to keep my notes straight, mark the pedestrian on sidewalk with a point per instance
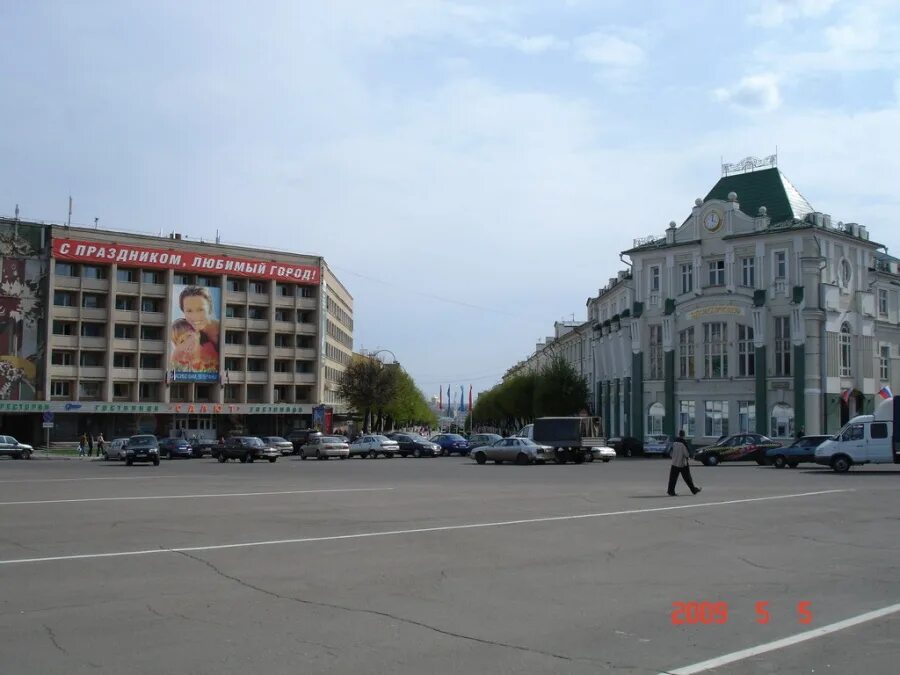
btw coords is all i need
(100, 444)
(680, 465)
(84, 444)
(90, 438)
(81, 447)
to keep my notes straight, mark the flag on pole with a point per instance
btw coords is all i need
(845, 396)
(441, 399)
(885, 392)
(462, 399)
(470, 398)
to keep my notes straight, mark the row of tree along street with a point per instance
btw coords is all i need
(555, 390)
(384, 395)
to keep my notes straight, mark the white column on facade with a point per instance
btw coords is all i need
(669, 290)
(760, 261)
(729, 268)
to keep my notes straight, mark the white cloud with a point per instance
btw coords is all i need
(608, 50)
(533, 44)
(774, 13)
(755, 93)
(897, 91)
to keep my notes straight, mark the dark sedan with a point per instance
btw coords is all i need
(451, 444)
(737, 448)
(415, 445)
(170, 448)
(801, 450)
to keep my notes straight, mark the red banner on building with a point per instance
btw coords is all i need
(128, 255)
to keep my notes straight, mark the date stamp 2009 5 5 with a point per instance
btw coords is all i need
(691, 613)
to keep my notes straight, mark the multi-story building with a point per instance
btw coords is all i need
(756, 314)
(128, 333)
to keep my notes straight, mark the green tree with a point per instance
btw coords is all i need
(559, 390)
(368, 385)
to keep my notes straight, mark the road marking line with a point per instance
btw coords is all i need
(784, 642)
(421, 530)
(227, 494)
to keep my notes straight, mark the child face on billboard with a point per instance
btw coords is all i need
(196, 311)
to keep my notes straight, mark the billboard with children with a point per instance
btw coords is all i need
(194, 331)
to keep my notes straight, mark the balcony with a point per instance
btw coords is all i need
(257, 350)
(283, 378)
(126, 315)
(93, 343)
(258, 324)
(92, 372)
(127, 374)
(151, 375)
(237, 297)
(235, 350)
(62, 312)
(306, 328)
(95, 284)
(127, 287)
(284, 326)
(284, 352)
(235, 322)
(58, 372)
(93, 314)
(153, 318)
(256, 377)
(125, 345)
(305, 354)
(304, 378)
(63, 340)
(67, 283)
(155, 346)
(306, 303)
(158, 290)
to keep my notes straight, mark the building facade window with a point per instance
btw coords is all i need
(93, 272)
(782, 421)
(62, 358)
(93, 301)
(64, 269)
(123, 360)
(125, 331)
(779, 259)
(884, 363)
(846, 340)
(258, 287)
(63, 327)
(845, 273)
(746, 417)
(236, 285)
(151, 361)
(307, 291)
(151, 333)
(716, 418)
(716, 272)
(687, 278)
(748, 272)
(91, 359)
(89, 329)
(686, 353)
(256, 312)
(122, 391)
(715, 350)
(882, 303)
(233, 337)
(746, 351)
(655, 371)
(126, 303)
(64, 298)
(654, 278)
(151, 277)
(149, 391)
(88, 389)
(233, 364)
(655, 416)
(782, 345)
(126, 275)
(687, 417)
(151, 305)
(60, 388)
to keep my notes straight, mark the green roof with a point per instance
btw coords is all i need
(769, 188)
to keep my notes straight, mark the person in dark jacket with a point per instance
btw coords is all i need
(680, 465)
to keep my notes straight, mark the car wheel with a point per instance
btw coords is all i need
(272, 460)
(445, 453)
(761, 462)
(840, 464)
(302, 456)
(627, 452)
(243, 459)
(712, 460)
(793, 465)
(561, 457)
(779, 462)
(156, 462)
(250, 457)
(25, 454)
(605, 460)
(222, 458)
(416, 453)
(480, 457)
(389, 455)
(373, 454)
(522, 459)
(498, 461)
(129, 462)
(589, 456)
(578, 457)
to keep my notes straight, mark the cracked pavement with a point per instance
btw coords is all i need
(572, 596)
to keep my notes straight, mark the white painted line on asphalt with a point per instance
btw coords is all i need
(784, 642)
(226, 494)
(420, 530)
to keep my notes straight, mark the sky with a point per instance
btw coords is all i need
(469, 170)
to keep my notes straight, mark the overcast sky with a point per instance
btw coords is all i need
(470, 171)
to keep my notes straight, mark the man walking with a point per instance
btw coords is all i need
(680, 460)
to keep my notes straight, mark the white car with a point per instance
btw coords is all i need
(602, 453)
(515, 449)
(372, 445)
(323, 447)
(115, 449)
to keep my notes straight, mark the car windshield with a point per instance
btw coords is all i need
(142, 439)
(454, 437)
(276, 439)
(383, 439)
(254, 441)
(332, 439)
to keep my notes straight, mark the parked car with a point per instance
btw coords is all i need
(628, 446)
(283, 445)
(10, 447)
(451, 444)
(514, 449)
(299, 437)
(737, 448)
(246, 449)
(658, 444)
(175, 447)
(142, 448)
(115, 449)
(801, 450)
(372, 445)
(323, 447)
(415, 445)
(601, 453)
(477, 440)
(204, 446)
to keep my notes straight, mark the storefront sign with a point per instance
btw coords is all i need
(187, 408)
(158, 258)
(713, 310)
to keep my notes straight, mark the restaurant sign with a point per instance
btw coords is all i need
(184, 261)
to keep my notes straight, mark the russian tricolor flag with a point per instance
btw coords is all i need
(886, 393)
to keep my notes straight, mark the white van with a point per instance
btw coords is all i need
(866, 439)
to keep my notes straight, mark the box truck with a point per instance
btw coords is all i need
(570, 437)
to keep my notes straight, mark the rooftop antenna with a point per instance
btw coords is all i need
(218, 240)
(17, 211)
(96, 223)
(69, 221)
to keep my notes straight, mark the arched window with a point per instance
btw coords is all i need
(655, 418)
(782, 421)
(846, 354)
